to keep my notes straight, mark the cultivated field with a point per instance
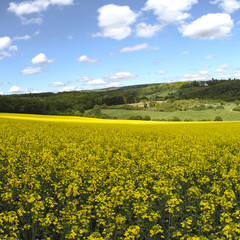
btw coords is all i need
(80, 178)
(226, 114)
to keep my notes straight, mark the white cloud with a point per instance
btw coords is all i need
(207, 66)
(41, 59)
(114, 84)
(219, 70)
(96, 82)
(36, 33)
(202, 75)
(3, 83)
(61, 2)
(161, 72)
(5, 46)
(208, 57)
(229, 6)
(120, 76)
(236, 75)
(5, 42)
(56, 84)
(170, 11)
(85, 59)
(226, 76)
(83, 79)
(203, 72)
(69, 89)
(5, 54)
(28, 7)
(185, 52)
(147, 30)
(25, 21)
(37, 91)
(1, 93)
(165, 59)
(225, 66)
(115, 21)
(34, 6)
(210, 26)
(31, 70)
(13, 48)
(26, 37)
(137, 48)
(16, 90)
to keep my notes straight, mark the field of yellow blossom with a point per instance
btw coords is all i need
(79, 178)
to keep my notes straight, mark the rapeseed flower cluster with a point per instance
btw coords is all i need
(97, 181)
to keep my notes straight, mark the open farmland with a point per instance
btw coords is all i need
(227, 114)
(80, 178)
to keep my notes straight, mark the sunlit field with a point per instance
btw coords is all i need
(81, 178)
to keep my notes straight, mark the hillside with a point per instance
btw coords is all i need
(78, 102)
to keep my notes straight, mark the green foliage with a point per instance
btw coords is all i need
(220, 107)
(76, 103)
(218, 118)
(147, 118)
(188, 120)
(156, 119)
(236, 108)
(175, 119)
(136, 117)
(201, 107)
(124, 106)
(152, 104)
(237, 102)
(95, 113)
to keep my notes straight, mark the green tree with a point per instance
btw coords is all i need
(237, 102)
(147, 118)
(218, 118)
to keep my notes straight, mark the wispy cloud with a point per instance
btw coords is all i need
(56, 84)
(185, 52)
(142, 46)
(120, 76)
(96, 82)
(86, 59)
(31, 70)
(69, 89)
(229, 6)
(3, 83)
(208, 57)
(147, 30)
(25, 37)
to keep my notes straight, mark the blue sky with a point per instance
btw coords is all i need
(66, 45)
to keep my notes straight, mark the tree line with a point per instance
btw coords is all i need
(78, 102)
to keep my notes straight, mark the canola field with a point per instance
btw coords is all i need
(79, 178)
